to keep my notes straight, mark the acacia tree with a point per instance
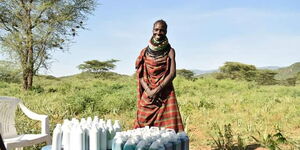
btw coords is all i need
(188, 74)
(31, 29)
(96, 66)
(236, 70)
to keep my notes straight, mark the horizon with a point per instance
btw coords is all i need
(204, 34)
(193, 70)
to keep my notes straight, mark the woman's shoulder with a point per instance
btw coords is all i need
(142, 52)
(172, 52)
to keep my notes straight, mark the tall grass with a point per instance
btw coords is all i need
(204, 103)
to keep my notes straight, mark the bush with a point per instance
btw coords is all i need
(236, 70)
(298, 79)
(293, 81)
(265, 77)
(239, 71)
(9, 72)
(225, 140)
(187, 74)
(275, 141)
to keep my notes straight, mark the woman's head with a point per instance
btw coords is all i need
(159, 30)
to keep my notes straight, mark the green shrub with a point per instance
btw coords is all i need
(225, 140)
(239, 71)
(187, 74)
(266, 77)
(9, 72)
(275, 141)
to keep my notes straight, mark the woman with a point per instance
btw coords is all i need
(156, 69)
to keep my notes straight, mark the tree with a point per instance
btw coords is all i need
(188, 74)
(240, 71)
(95, 66)
(236, 70)
(31, 29)
(266, 77)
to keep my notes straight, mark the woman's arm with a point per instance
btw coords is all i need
(172, 73)
(144, 85)
(169, 77)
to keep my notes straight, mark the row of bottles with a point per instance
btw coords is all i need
(86, 134)
(152, 138)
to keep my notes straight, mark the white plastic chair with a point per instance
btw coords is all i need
(8, 131)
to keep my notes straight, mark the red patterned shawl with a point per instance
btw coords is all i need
(163, 111)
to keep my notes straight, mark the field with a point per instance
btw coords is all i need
(206, 105)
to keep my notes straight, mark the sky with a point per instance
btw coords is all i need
(204, 33)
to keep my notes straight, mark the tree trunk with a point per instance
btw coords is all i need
(30, 68)
(28, 63)
(25, 81)
(27, 77)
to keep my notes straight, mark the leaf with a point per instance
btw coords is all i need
(281, 140)
(278, 135)
(256, 139)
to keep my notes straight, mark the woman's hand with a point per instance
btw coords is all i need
(151, 93)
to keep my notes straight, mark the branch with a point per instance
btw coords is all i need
(14, 28)
(4, 24)
(41, 51)
(39, 17)
(41, 60)
(23, 4)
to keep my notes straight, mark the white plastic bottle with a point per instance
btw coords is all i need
(94, 138)
(74, 121)
(103, 137)
(86, 136)
(66, 137)
(118, 141)
(110, 134)
(131, 143)
(174, 139)
(184, 140)
(77, 138)
(72, 136)
(82, 121)
(165, 139)
(143, 145)
(67, 122)
(89, 120)
(117, 126)
(57, 137)
(96, 119)
(157, 145)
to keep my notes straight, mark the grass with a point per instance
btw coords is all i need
(204, 103)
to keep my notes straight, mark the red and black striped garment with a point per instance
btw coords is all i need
(162, 111)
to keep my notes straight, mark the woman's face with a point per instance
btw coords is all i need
(159, 32)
